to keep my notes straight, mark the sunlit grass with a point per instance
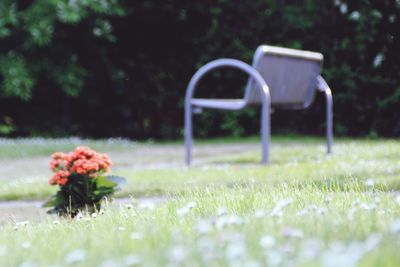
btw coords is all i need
(159, 168)
(254, 225)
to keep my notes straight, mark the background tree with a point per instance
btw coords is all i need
(120, 68)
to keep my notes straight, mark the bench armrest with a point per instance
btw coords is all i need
(232, 63)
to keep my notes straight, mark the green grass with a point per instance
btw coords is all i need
(218, 226)
(305, 209)
(32, 147)
(293, 160)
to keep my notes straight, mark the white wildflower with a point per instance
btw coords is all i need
(365, 206)
(369, 182)
(251, 263)
(310, 249)
(129, 206)
(350, 213)
(186, 209)
(28, 264)
(132, 260)
(267, 241)
(228, 220)
(356, 202)
(312, 207)
(328, 199)
(26, 245)
(136, 236)
(235, 251)
(204, 226)
(372, 241)
(222, 211)
(275, 258)
(110, 263)
(292, 232)
(3, 251)
(343, 255)
(278, 209)
(23, 223)
(146, 205)
(259, 214)
(395, 227)
(287, 248)
(191, 205)
(182, 211)
(76, 256)
(177, 254)
(321, 211)
(207, 248)
(398, 199)
(302, 212)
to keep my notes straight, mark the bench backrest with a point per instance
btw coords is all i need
(290, 74)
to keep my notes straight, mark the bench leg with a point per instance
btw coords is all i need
(329, 120)
(188, 134)
(265, 132)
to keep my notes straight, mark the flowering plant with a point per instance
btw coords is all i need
(82, 182)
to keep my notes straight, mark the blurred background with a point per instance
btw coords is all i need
(119, 68)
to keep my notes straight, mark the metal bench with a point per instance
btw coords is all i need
(279, 77)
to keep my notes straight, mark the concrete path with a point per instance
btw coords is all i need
(141, 157)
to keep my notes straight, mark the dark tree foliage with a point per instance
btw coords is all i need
(120, 68)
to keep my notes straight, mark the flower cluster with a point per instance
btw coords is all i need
(82, 161)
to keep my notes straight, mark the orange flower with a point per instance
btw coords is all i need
(82, 160)
(59, 161)
(60, 178)
(52, 181)
(62, 181)
(58, 155)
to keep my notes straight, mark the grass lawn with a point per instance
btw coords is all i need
(305, 209)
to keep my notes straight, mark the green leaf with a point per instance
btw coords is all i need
(120, 181)
(101, 193)
(55, 200)
(103, 181)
